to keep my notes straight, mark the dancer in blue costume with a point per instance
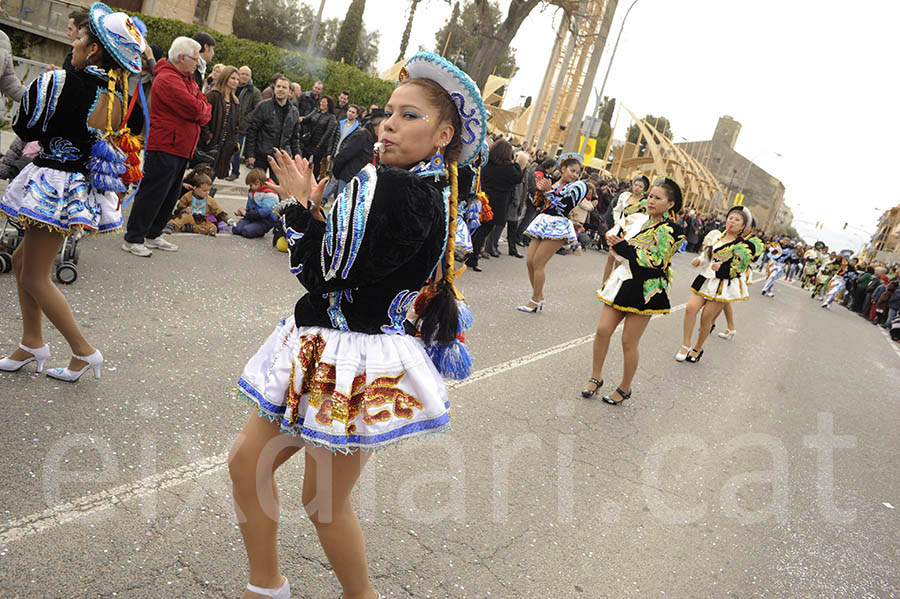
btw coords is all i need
(359, 363)
(73, 185)
(551, 228)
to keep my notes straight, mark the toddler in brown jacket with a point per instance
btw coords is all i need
(194, 208)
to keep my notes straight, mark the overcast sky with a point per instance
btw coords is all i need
(811, 80)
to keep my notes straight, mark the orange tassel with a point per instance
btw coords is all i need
(486, 213)
(131, 145)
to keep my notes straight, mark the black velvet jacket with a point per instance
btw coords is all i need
(55, 112)
(380, 244)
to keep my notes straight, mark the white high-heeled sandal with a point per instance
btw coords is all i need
(94, 361)
(282, 592)
(727, 334)
(538, 306)
(682, 354)
(37, 355)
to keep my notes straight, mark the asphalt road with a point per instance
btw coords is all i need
(714, 480)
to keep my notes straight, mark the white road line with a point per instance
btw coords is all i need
(98, 502)
(53, 517)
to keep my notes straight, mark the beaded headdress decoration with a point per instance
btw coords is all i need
(450, 357)
(115, 160)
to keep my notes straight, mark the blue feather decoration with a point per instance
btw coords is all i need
(107, 162)
(466, 320)
(453, 361)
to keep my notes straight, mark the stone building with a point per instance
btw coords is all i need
(785, 216)
(763, 193)
(885, 243)
(44, 21)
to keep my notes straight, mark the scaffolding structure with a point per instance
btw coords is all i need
(554, 119)
(662, 158)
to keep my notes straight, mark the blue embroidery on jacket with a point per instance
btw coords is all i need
(397, 312)
(61, 150)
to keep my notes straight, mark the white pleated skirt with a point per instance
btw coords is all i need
(62, 201)
(345, 390)
(545, 226)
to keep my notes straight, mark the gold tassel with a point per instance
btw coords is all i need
(450, 272)
(110, 100)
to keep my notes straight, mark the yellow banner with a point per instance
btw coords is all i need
(590, 150)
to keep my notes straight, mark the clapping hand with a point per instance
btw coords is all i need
(716, 266)
(543, 184)
(296, 179)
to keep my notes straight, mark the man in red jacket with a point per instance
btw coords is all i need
(178, 109)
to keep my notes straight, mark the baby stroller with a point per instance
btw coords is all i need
(10, 237)
(66, 262)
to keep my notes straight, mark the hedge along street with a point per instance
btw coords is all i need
(266, 60)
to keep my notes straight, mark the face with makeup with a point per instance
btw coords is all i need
(638, 187)
(658, 202)
(83, 50)
(570, 172)
(412, 132)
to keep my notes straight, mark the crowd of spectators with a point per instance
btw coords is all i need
(212, 118)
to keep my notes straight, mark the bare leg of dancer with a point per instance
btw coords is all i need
(37, 294)
(609, 320)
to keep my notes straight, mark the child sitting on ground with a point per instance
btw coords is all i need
(258, 215)
(194, 208)
(188, 183)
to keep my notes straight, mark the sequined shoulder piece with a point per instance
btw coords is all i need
(574, 191)
(49, 86)
(345, 226)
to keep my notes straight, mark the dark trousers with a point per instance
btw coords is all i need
(252, 228)
(511, 237)
(493, 242)
(478, 238)
(156, 197)
(530, 213)
(236, 157)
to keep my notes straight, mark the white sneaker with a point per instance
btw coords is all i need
(160, 244)
(138, 249)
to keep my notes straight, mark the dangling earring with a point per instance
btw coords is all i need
(437, 161)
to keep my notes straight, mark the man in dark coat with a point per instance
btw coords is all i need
(355, 151)
(274, 124)
(249, 97)
(309, 101)
(207, 51)
(177, 111)
(340, 109)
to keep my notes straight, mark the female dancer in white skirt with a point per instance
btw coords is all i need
(629, 215)
(723, 259)
(72, 185)
(757, 247)
(551, 228)
(348, 370)
(638, 287)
